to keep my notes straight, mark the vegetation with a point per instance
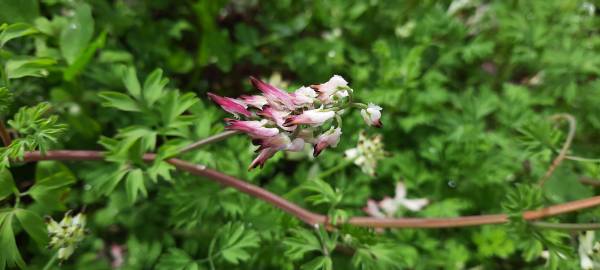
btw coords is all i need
(480, 153)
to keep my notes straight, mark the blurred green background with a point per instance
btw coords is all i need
(466, 87)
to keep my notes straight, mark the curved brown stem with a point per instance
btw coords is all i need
(563, 151)
(312, 218)
(6, 140)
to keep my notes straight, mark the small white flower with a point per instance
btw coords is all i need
(589, 251)
(332, 88)
(372, 115)
(66, 235)
(304, 95)
(389, 206)
(367, 152)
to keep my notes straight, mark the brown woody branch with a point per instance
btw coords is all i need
(312, 218)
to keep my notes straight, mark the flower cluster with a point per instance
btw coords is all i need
(367, 152)
(66, 234)
(389, 206)
(282, 121)
(589, 251)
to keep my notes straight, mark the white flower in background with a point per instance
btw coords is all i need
(589, 251)
(458, 5)
(66, 234)
(367, 152)
(589, 8)
(389, 206)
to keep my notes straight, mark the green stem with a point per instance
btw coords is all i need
(321, 240)
(566, 226)
(212, 139)
(582, 159)
(336, 168)
(50, 263)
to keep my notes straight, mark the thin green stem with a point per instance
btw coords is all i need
(336, 168)
(582, 159)
(51, 262)
(566, 226)
(212, 139)
(322, 240)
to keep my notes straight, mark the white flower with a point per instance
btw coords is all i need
(367, 152)
(67, 234)
(329, 138)
(331, 87)
(314, 117)
(372, 115)
(589, 251)
(304, 95)
(389, 206)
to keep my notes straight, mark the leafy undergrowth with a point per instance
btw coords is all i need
(468, 90)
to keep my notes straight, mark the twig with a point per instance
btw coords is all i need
(567, 226)
(6, 140)
(314, 218)
(582, 159)
(565, 148)
(589, 181)
(215, 138)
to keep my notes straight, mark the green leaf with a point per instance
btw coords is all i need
(53, 182)
(9, 253)
(15, 31)
(384, 256)
(153, 86)
(301, 242)
(321, 262)
(84, 58)
(324, 193)
(131, 82)
(120, 101)
(13, 11)
(7, 184)
(31, 66)
(234, 242)
(135, 184)
(76, 34)
(176, 259)
(34, 225)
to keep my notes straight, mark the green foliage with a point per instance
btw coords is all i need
(467, 88)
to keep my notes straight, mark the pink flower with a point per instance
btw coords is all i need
(372, 115)
(309, 117)
(117, 254)
(273, 94)
(255, 129)
(372, 209)
(328, 89)
(262, 157)
(279, 142)
(327, 139)
(277, 116)
(304, 96)
(231, 105)
(270, 146)
(255, 101)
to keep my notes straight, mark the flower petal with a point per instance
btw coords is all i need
(230, 105)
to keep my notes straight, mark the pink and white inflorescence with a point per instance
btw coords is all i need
(278, 120)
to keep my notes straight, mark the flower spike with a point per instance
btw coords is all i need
(278, 120)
